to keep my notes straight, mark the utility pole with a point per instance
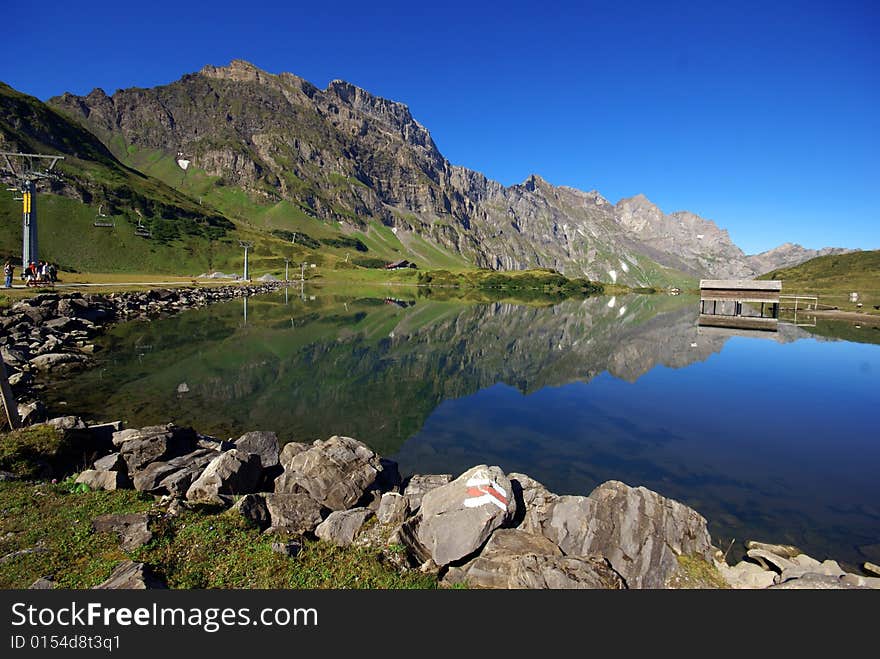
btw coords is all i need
(286, 269)
(302, 271)
(23, 167)
(8, 399)
(246, 246)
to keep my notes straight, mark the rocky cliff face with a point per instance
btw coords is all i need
(344, 154)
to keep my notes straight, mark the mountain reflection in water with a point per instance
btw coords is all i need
(767, 437)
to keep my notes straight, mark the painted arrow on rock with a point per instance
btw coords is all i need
(482, 490)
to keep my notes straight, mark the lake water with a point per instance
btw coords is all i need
(771, 436)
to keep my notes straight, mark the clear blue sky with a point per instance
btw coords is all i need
(763, 116)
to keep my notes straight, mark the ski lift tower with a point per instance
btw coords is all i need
(25, 170)
(246, 246)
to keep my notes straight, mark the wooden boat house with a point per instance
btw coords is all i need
(740, 304)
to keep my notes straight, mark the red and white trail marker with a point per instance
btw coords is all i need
(482, 490)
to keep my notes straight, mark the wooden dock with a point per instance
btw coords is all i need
(740, 304)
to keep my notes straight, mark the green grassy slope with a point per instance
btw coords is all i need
(834, 277)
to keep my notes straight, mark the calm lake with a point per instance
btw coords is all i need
(771, 436)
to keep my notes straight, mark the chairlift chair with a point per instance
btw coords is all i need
(142, 231)
(102, 220)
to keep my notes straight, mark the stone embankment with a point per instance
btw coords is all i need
(484, 528)
(55, 332)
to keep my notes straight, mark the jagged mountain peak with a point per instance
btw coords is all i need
(237, 69)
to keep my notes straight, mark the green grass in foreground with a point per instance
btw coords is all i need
(200, 548)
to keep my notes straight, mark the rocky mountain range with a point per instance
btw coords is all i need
(346, 156)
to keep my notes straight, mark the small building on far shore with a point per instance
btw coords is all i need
(740, 303)
(402, 263)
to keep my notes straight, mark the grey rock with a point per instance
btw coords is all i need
(133, 529)
(173, 476)
(262, 443)
(129, 575)
(7, 476)
(336, 472)
(393, 509)
(457, 518)
(178, 482)
(746, 575)
(291, 549)
(231, 472)
(290, 451)
(638, 531)
(65, 423)
(148, 478)
(42, 584)
(14, 356)
(111, 462)
(54, 360)
(770, 561)
(122, 436)
(22, 379)
(253, 508)
(342, 526)
(407, 536)
(816, 582)
(533, 502)
(860, 581)
(828, 568)
(31, 412)
(139, 447)
(293, 513)
(104, 480)
(419, 485)
(871, 568)
(517, 559)
(493, 567)
(288, 483)
(60, 324)
(784, 551)
(567, 572)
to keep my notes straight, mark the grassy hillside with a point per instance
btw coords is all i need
(833, 278)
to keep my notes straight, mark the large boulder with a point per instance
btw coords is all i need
(261, 442)
(342, 526)
(231, 472)
(457, 518)
(293, 513)
(640, 532)
(517, 559)
(336, 473)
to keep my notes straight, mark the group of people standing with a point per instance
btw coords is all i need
(35, 274)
